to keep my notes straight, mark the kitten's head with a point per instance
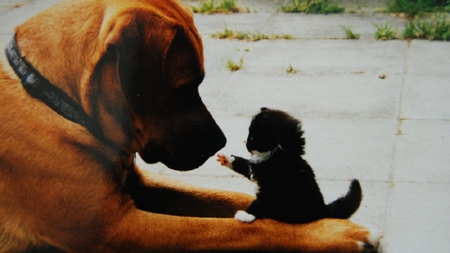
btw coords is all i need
(272, 129)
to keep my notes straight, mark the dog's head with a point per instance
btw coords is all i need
(275, 129)
(135, 67)
(158, 56)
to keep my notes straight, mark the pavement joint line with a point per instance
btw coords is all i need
(396, 137)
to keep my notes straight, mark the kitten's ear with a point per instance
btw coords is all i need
(263, 109)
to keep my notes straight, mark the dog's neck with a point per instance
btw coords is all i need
(40, 88)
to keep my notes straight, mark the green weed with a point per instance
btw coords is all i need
(313, 6)
(225, 34)
(349, 34)
(385, 32)
(225, 6)
(234, 66)
(436, 27)
(413, 8)
(248, 36)
(281, 37)
(291, 70)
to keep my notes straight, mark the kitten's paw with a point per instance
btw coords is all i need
(225, 160)
(243, 216)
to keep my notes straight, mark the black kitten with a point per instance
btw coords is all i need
(288, 191)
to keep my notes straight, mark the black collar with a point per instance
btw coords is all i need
(39, 87)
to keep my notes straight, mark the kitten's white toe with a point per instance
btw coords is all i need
(243, 216)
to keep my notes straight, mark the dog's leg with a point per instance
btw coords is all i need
(156, 193)
(144, 231)
(159, 231)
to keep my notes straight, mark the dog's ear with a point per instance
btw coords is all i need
(132, 50)
(122, 47)
(125, 71)
(141, 45)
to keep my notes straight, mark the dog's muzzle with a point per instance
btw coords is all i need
(186, 152)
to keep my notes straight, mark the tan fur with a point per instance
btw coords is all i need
(62, 186)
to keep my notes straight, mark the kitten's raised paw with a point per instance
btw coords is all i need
(243, 216)
(225, 160)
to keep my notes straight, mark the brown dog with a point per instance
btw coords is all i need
(122, 78)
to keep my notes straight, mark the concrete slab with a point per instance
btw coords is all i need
(344, 149)
(216, 55)
(39, 4)
(335, 95)
(14, 17)
(427, 96)
(247, 22)
(316, 26)
(429, 57)
(417, 218)
(3, 39)
(422, 151)
(330, 56)
(4, 9)
(13, 3)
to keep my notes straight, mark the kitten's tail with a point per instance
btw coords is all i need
(345, 206)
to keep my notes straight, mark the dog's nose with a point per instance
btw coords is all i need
(197, 147)
(215, 140)
(206, 144)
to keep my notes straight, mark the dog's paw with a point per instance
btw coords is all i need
(373, 241)
(341, 235)
(225, 160)
(243, 216)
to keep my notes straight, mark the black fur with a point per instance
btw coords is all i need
(288, 191)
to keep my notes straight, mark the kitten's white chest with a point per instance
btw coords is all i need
(258, 157)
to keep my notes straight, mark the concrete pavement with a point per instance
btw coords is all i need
(393, 133)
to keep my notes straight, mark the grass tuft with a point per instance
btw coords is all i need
(248, 36)
(225, 7)
(234, 66)
(349, 34)
(291, 70)
(436, 27)
(385, 32)
(313, 6)
(413, 8)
